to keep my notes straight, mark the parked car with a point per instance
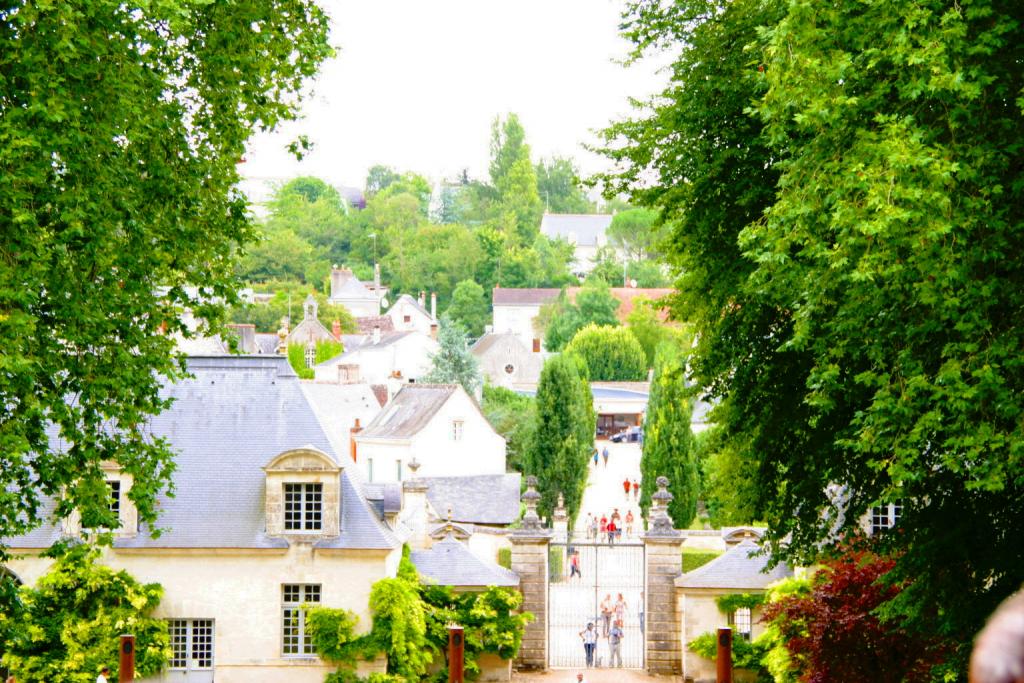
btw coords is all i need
(629, 435)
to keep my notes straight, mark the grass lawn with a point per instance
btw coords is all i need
(696, 557)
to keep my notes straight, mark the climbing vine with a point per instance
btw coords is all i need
(745, 654)
(734, 601)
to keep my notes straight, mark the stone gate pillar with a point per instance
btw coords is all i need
(530, 561)
(663, 547)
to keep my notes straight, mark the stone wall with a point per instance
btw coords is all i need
(663, 565)
(530, 562)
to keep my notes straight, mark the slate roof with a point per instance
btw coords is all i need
(735, 569)
(358, 342)
(352, 288)
(478, 499)
(409, 411)
(366, 323)
(386, 498)
(337, 406)
(489, 340)
(229, 420)
(579, 228)
(536, 296)
(450, 563)
(267, 342)
(413, 302)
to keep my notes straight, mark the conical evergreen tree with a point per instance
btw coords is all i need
(564, 436)
(453, 363)
(668, 442)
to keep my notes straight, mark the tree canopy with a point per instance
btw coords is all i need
(117, 189)
(845, 188)
(611, 354)
(469, 307)
(454, 363)
(561, 319)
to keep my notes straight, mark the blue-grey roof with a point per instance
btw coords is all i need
(409, 411)
(584, 228)
(450, 563)
(736, 569)
(229, 420)
(478, 499)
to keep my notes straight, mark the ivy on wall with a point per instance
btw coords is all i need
(745, 654)
(734, 601)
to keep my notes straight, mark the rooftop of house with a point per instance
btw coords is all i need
(364, 342)
(409, 411)
(477, 499)
(338, 406)
(736, 569)
(409, 300)
(351, 288)
(578, 228)
(367, 323)
(491, 340)
(226, 422)
(450, 563)
(536, 296)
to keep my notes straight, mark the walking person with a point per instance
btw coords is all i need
(627, 486)
(619, 609)
(617, 519)
(586, 525)
(629, 523)
(606, 614)
(592, 530)
(603, 528)
(574, 565)
(595, 458)
(612, 531)
(589, 636)
(102, 678)
(604, 454)
(641, 612)
(636, 489)
(615, 645)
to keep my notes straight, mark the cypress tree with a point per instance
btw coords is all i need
(564, 437)
(668, 442)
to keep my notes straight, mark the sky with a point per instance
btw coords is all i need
(416, 84)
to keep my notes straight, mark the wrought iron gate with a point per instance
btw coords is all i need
(605, 572)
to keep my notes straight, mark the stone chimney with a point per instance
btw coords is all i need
(433, 331)
(336, 329)
(423, 299)
(339, 276)
(282, 336)
(433, 305)
(414, 507)
(352, 446)
(376, 334)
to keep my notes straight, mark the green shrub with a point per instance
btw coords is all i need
(555, 567)
(745, 655)
(326, 349)
(611, 353)
(505, 557)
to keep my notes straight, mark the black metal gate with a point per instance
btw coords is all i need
(608, 587)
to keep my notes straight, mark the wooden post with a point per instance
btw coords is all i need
(456, 661)
(725, 655)
(126, 666)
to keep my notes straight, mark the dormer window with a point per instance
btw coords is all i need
(114, 486)
(303, 494)
(303, 507)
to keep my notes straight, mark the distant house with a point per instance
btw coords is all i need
(440, 426)
(506, 361)
(586, 232)
(395, 357)
(409, 314)
(734, 572)
(310, 330)
(348, 291)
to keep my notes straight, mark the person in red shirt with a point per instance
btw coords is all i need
(636, 490)
(612, 530)
(603, 528)
(626, 486)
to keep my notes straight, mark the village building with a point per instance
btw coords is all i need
(265, 489)
(392, 358)
(586, 232)
(439, 426)
(506, 361)
(310, 331)
(742, 569)
(408, 314)
(348, 291)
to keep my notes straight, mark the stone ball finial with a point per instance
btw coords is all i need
(531, 481)
(561, 500)
(662, 495)
(414, 465)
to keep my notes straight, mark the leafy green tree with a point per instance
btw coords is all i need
(648, 274)
(646, 325)
(558, 184)
(515, 179)
(315, 212)
(287, 303)
(594, 305)
(278, 255)
(325, 349)
(453, 363)
(611, 354)
(514, 416)
(728, 477)
(70, 622)
(564, 435)
(379, 178)
(508, 146)
(432, 258)
(637, 233)
(848, 205)
(122, 128)
(668, 442)
(469, 307)
(607, 266)
(414, 184)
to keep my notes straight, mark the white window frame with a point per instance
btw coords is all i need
(310, 354)
(884, 517)
(294, 597)
(190, 637)
(458, 429)
(741, 619)
(310, 510)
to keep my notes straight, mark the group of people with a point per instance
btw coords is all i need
(613, 615)
(609, 528)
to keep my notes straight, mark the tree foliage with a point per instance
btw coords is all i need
(594, 305)
(469, 307)
(512, 415)
(69, 623)
(564, 434)
(637, 233)
(646, 325)
(845, 186)
(611, 354)
(453, 363)
(728, 479)
(121, 130)
(668, 442)
(558, 185)
(827, 630)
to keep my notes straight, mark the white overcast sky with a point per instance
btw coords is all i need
(416, 83)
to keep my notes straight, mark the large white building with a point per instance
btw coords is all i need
(388, 358)
(350, 292)
(438, 425)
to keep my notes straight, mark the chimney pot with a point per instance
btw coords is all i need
(433, 305)
(433, 331)
(352, 440)
(336, 329)
(376, 334)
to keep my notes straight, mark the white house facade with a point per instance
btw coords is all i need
(438, 425)
(380, 358)
(408, 314)
(350, 292)
(506, 361)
